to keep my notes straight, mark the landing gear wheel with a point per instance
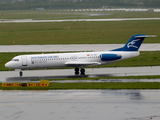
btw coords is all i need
(82, 71)
(76, 71)
(20, 73)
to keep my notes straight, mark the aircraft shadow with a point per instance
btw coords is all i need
(31, 78)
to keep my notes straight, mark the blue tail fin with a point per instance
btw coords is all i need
(134, 43)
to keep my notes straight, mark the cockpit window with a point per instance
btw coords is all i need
(15, 60)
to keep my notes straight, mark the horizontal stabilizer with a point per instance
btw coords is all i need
(145, 36)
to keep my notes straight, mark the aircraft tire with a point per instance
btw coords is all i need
(76, 71)
(82, 71)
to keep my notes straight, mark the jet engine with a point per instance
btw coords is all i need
(109, 57)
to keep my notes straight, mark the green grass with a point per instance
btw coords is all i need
(119, 85)
(146, 58)
(79, 32)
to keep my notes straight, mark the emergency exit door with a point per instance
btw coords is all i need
(24, 61)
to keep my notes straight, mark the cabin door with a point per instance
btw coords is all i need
(24, 61)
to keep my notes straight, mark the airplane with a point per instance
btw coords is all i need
(78, 60)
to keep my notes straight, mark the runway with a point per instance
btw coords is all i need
(80, 105)
(72, 47)
(13, 76)
(75, 20)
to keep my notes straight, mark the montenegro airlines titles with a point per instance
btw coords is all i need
(78, 60)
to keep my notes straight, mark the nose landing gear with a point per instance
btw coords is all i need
(20, 73)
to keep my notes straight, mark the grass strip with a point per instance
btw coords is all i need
(77, 32)
(118, 85)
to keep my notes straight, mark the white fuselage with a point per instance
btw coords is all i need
(65, 59)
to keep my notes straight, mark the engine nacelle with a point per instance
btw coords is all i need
(108, 57)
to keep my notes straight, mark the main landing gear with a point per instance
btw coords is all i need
(77, 71)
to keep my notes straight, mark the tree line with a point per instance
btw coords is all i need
(75, 4)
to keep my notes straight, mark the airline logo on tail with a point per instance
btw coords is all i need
(132, 44)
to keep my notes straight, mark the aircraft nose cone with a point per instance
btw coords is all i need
(7, 65)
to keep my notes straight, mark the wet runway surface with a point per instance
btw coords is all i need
(80, 105)
(13, 76)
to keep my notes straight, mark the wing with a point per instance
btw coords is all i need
(79, 64)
